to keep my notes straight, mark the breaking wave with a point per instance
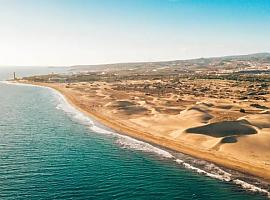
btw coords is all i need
(251, 187)
(217, 172)
(131, 143)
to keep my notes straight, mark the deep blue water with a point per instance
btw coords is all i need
(48, 151)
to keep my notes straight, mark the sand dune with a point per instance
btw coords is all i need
(201, 114)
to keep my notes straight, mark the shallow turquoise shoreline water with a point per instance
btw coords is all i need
(48, 152)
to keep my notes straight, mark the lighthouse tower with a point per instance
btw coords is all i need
(14, 76)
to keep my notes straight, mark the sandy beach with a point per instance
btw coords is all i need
(188, 132)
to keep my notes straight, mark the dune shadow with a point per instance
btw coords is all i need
(224, 129)
(229, 139)
(129, 108)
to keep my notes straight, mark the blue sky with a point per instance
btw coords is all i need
(69, 32)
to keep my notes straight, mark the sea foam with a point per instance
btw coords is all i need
(251, 187)
(131, 143)
(217, 173)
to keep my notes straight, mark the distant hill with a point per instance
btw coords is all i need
(226, 62)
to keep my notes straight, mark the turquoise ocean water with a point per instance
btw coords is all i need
(48, 150)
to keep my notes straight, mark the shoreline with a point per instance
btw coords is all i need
(230, 163)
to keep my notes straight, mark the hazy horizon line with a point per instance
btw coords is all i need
(143, 61)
